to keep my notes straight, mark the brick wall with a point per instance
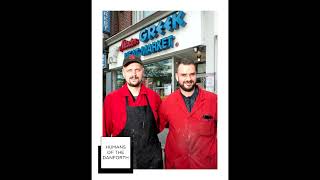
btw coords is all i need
(120, 20)
(114, 23)
(125, 19)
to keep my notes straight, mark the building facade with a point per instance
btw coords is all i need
(162, 38)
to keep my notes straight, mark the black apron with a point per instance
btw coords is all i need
(141, 127)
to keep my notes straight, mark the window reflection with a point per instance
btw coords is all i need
(119, 79)
(158, 77)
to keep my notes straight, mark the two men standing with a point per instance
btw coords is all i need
(136, 111)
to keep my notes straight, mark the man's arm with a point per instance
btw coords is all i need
(162, 116)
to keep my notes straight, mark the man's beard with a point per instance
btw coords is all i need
(135, 85)
(186, 89)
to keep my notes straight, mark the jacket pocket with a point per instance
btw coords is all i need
(205, 128)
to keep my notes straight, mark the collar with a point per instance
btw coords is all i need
(200, 94)
(194, 94)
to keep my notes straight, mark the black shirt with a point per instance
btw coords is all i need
(189, 101)
(133, 97)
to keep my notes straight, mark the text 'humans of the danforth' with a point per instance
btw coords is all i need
(115, 152)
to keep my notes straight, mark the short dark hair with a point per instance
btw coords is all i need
(185, 62)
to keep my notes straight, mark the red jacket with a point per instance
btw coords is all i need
(192, 139)
(114, 108)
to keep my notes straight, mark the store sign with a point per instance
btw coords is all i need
(157, 46)
(113, 54)
(128, 44)
(172, 23)
(106, 26)
(104, 64)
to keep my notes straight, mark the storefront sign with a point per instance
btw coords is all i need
(170, 38)
(162, 44)
(128, 44)
(172, 23)
(106, 21)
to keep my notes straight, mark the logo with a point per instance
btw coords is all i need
(128, 44)
(131, 57)
(172, 23)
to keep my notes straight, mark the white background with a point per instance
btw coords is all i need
(221, 9)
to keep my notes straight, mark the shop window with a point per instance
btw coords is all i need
(201, 75)
(158, 77)
(119, 79)
(147, 13)
(139, 15)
